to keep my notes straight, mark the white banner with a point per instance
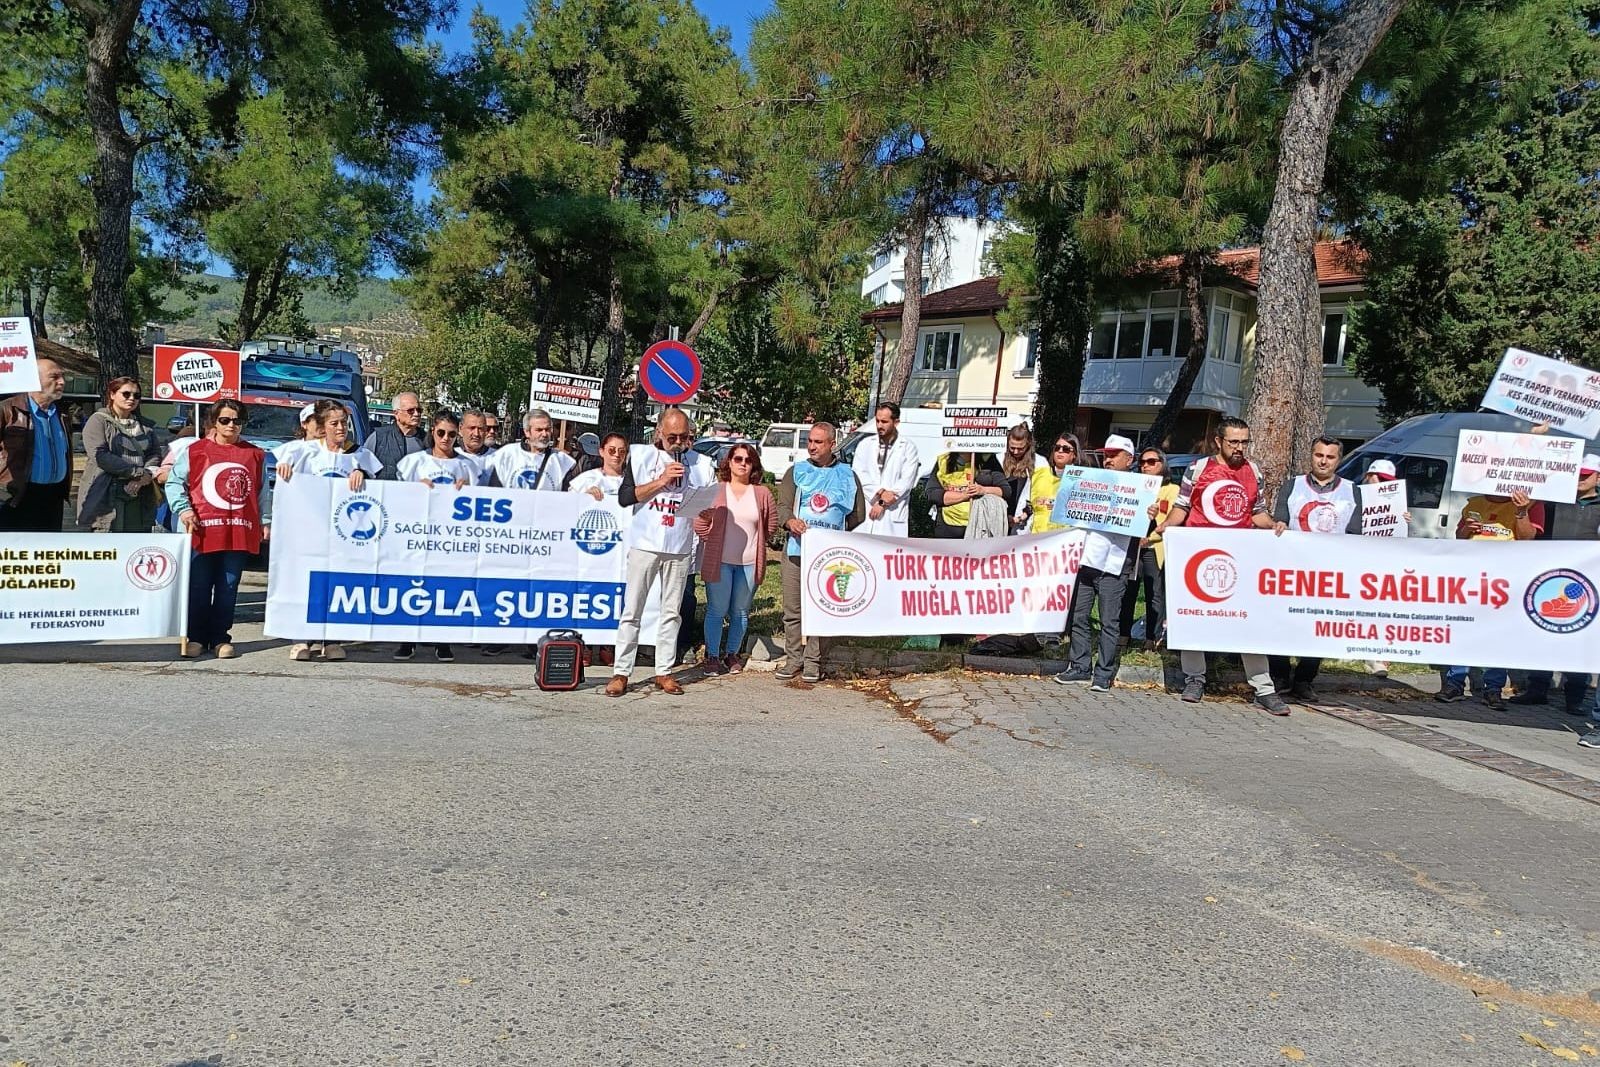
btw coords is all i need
(863, 585)
(1383, 509)
(403, 562)
(19, 364)
(1109, 501)
(1528, 604)
(93, 587)
(976, 429)
(1539, 389)
(566, 396)
(1497, 464)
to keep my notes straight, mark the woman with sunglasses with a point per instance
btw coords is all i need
(602, 482)
(218, 491)
(1152, 557)
(119, 496)
(733, 560)
(325, 457)
(1046, 481)
(441, 464)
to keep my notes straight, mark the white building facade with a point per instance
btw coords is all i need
(955, 254)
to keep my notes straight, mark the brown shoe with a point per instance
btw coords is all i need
(669, 685)
(617, 686)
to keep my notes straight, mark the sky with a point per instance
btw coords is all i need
(736, 15)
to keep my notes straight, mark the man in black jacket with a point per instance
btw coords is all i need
(391, 444)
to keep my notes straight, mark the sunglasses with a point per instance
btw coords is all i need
(1065, 448)
(677, 438)
(445, 433)
(739, 459)
(408, 411)
(129, 396)
(229, 420)
(1151, 462)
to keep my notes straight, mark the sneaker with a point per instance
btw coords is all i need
(1591, 739)
(226, 651)
(734, 664)
(444, 654)
(190, 650)
(1194, 691)
(1529, 700)
(1303, 693)
(405, 651)
(1072, 677)
(812, 675)
(713, 666)
(1451, 694)
(786, 673)
(1272, 704)
(334, 651)
(300, 653)
(1495, 699)
(1098, 687)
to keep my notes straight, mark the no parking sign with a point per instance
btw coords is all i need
(669, 373)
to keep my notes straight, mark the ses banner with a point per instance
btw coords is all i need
(566, 396)
(404, 562)
(195, 375)
(110, 587)
(1109, 501)
(19, 364)
(1464, 603)
(862, 585)
(1540, 389)
(1498, 464)
(1383, 509)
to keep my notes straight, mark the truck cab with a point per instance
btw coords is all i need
(281, 375)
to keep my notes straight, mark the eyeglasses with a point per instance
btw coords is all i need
(677, 438)
(445, 433)
(407, 411)
(229, 420)
(1239, 442)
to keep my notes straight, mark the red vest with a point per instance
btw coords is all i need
(1222, 496)
(225, 491)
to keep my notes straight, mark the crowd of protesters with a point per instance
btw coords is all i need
(133, 483)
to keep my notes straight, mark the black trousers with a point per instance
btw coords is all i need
(1148, 573)
(1304, 671)
(39, 510)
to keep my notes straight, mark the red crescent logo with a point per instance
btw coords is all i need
(1191, 575)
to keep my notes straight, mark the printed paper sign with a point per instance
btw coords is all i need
(1383, 509)
(1540, 389)
(19, 364)
(195, 375)
(976, 429)
(1471, 603)
(566, 396)
(1498, 464)
(68, 587)
(1109, 501)
(866, 585)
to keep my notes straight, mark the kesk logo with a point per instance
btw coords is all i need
(596, 532)
(1211, 576)
(360, 519)
(152, 568)
(1562, 601)
(842, 582)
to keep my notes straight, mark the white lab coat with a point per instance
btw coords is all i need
(897, 474)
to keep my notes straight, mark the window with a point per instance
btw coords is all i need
(940, 351)
(1333, 338)
(925, 286)
(879, 261)
(1163, 343)
(1030, 353)
(1160, 333)
(880, 295)
(778, 438)
(1225, 341)
(1130, 336)
(1103, 339)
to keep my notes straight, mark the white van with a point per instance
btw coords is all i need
(782, 445)
(1423, 451)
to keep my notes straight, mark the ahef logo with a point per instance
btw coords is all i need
(226, 486)
(596, 532)
(1562, 601)
(152, 568)
(1519, 361)
(1225, 503)
(360, 519)
(1474, 439)
(842, 582)
(7, 325)
(1211, 576)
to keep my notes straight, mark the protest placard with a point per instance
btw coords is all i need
(968, 429)
(1544, 390)
(19, 363)
(566, 396)
(1109, 501)
(1472, 603)
(866, 585)
(1497, 464)
(195, 375)
(1383, 509)
(68, 587)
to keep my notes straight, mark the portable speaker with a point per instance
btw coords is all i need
(560, 660)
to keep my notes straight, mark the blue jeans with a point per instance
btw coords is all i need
(729, 598)
(213, 593)
(1494, 678)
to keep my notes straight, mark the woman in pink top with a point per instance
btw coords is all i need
(733, 554)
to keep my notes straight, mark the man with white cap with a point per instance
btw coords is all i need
(1577, 521)
(1378, 472)
(1103, 574)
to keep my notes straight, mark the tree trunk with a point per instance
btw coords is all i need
(41, 327)
(249, 295)
(1066, 315)
(616, 355)
(1286, 407)
(25, 291)
(702, 320)
(1191, 277)
(109, 31)
(905, 349)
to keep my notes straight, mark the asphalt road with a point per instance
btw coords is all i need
(262, 862)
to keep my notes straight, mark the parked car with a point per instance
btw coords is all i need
(782, 445)
(715, 448)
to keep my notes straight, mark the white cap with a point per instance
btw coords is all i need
(590, 444)
(1383, 469)
(1591, 462)
(307, 411)
(1118, 443)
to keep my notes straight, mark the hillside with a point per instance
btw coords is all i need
(375, 300)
